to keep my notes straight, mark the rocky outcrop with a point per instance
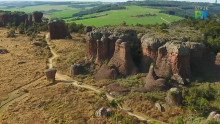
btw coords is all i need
(106, 72)
(58, 30)
(149, 49)
(117, 90)
(174, 97)
(122, 59)
(76, 69)
(173, 58)
(152, 83)
(37, 16)
(103, 112)
(16, 18)
(50, 74)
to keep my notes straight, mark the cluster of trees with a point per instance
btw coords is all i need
(73, 27)
(99, 9)
(210, 28)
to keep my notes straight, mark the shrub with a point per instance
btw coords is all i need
(179, 120)
(11, 33)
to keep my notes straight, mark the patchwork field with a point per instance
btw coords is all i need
(131, 15)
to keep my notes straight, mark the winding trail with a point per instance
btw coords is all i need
(66, 78)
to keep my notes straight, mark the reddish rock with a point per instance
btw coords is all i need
(117, 90)
(153, 83)
(50, 74)
(173, 58)
(122, 59)
(174, 97)
(37, 16)
(106, 72)
(10, 17)
(102, 50)
(149, 49)
(76, 69)
(58, 30)
(217, 60)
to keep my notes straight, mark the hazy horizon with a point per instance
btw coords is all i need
(210, 1)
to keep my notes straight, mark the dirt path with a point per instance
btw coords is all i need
(165, 20)
(66, 78)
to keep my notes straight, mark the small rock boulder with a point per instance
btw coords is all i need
(103, 112)
(50, 74)
(174, 97)
(3, 51)
(159, 107)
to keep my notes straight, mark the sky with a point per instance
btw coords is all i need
(211, 1)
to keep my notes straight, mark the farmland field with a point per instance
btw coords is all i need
(115, 17)
(64, 13)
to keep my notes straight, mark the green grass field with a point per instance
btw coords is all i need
(64, 13)
(115, 17)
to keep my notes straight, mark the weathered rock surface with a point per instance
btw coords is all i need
(159, 107)
(106, 72)
(76, 69)
(103, 112)
(132, 53)
(173, 58)
(3, 51)
(217, 60)
(13, 17)
(117, 90)
(153, 83)
(149, 49)
(58, 30)
(214, 116)
(37, 16)
(174, 97)
(122, 59)
(50, 74)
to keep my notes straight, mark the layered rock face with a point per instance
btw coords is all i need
(58, 30)
(37, 16)
(114, 49)
(15, 18)
(131, 53)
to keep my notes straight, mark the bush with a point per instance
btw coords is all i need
(73, 27)
(199, 98)
(212, 122)
(11, 33)
(179, 120)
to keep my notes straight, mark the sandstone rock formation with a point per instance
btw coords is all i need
(76, 69)
(106, 72)
(173, 58)
(58, 30)
(37, 16)
(117, 90)
(122, 59)
(149, 48)
(50, 74)
(152, 82)
(16, 18)
(174, 97)
(130, 53)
